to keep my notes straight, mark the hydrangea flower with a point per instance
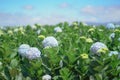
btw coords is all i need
(84, 56)
(83, 37)
(117, 30)
(38, 31)
(46, 77)
(91, 30)
(22, 49)
(33, 53)
(0, 63)
(112, 36)
(93, 26)
(57, 29)
(113, 53)
(1, 32)
(61, 63)
(41, 36)
(76, 27)
(10, 32)
(21, 29)
(117, 26)
(110, 26)
(101, 30)
(33, 27)
(16, 30)
(75, 23)
(118, 39)
(97, 47)
(102, 50)
(50, 42)
(89, 40)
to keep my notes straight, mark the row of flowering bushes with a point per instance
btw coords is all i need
(60, 52)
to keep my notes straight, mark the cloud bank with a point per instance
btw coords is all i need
(23, 19)
(102, 13)
(99, 14)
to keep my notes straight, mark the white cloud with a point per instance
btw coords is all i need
(88, 14)
(64, 5)
(28, 7)
(103, 14)
(22, 19)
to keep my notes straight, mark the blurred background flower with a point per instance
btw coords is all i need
(97, 47)
(50, 41)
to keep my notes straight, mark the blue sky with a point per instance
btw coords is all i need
(23, 12)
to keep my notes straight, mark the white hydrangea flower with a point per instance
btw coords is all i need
(110, 26)
(33, 53)
(113, 53)
(10, 32)
(97, 46)
(0, 63)
(117, 26)
(50, 42)
(61, 63)
(38, 31)
(1, 32)
(112, 36)
(22, 49)
(21, 28)
(118, 39)
(46, 77)
(57, 29)
(93, 26)
(33, 27)
(16, 30)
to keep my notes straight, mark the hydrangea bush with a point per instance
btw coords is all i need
(110, 26)
(79, 52)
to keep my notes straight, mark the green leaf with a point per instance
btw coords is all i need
(98, 77)
(14, 63)
(66, 74)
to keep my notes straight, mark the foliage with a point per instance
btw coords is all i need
(63, 62)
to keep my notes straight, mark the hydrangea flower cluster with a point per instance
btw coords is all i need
(75, 24)
(10, 32)
(112, 36)
(89, 40)
(118, 39)
(1, 32)
(96, 47)
(50, 42)
(41, 36)
(38, 31)
(33, 53)
(84, 56)
(113, 53)
(46, 77)
(16, 30)
(29, 52)
(57, 29)
(22, 49)
(33, 27)
(117, 26)
(91, 30)
(110, 26)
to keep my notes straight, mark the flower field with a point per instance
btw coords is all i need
(60, 52)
